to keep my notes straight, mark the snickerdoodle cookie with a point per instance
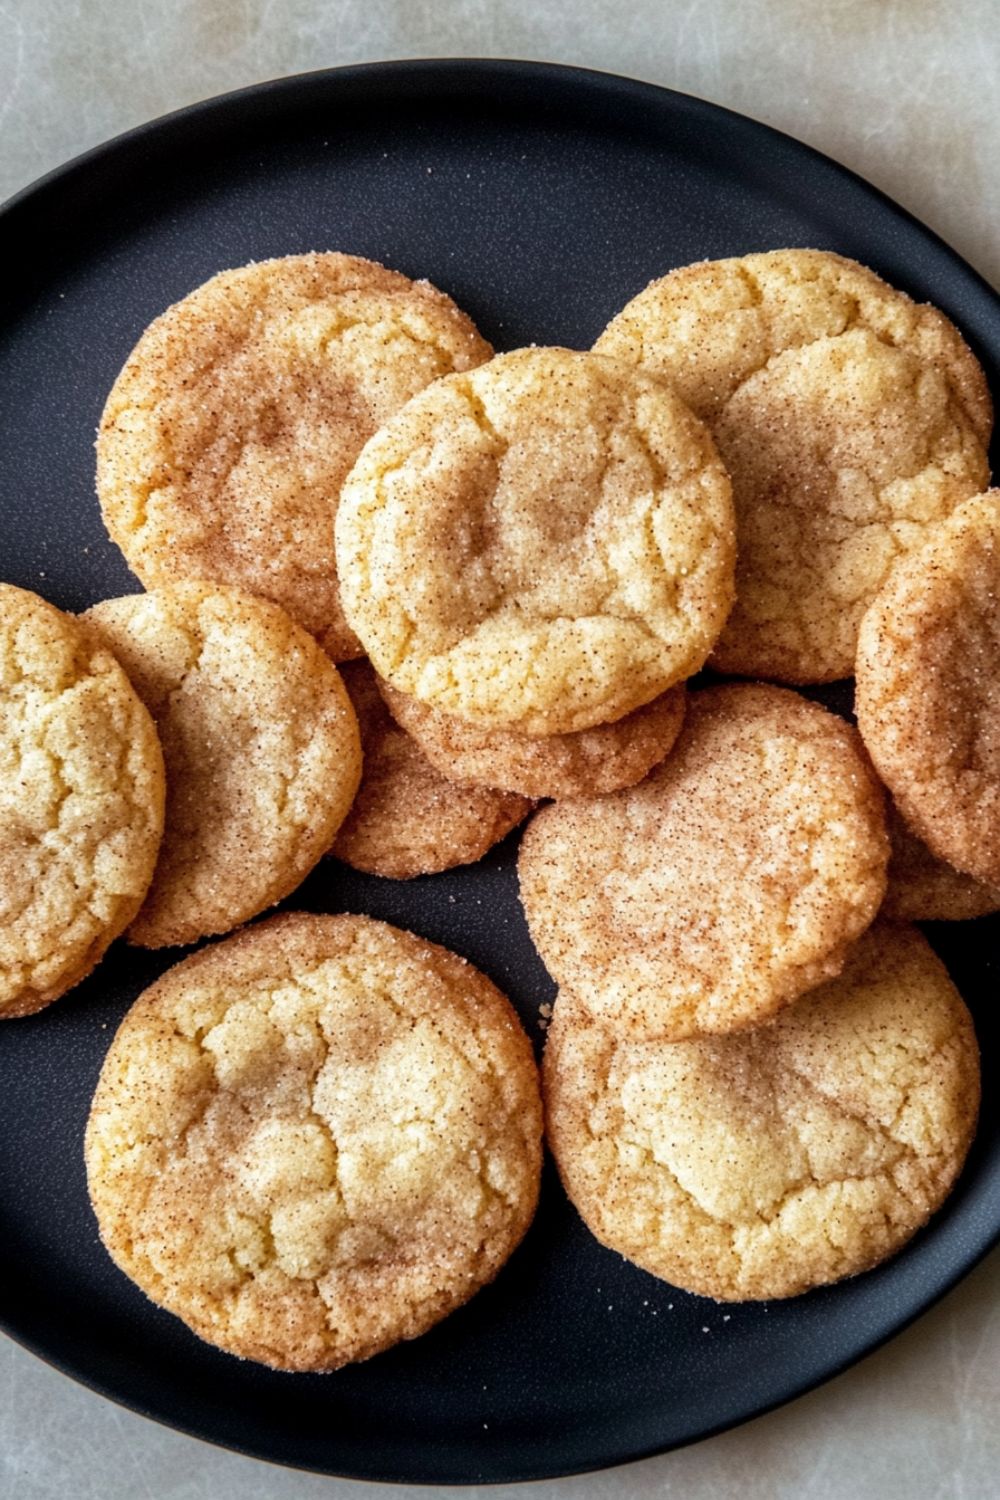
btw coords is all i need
(544, 544)
(261, 747)
(731, 880)
(585, 764)
(315, 1139)
(928, 688)
(81, 802)
(849, 418)
(923, 888)
(408, 818)
(229, 432)
(763, 1164)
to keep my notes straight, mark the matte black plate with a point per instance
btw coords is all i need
(542, 198)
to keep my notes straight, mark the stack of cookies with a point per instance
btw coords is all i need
(322, 1134)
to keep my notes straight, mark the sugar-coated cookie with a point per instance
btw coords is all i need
(718, 890)
(760, 1165)
(261, 746)
(408, 818)
(315, 1139)
(923, 888)
(81, 801)
(585, 764)
(849, 418)
(229, 432)
(927, 696)
(543, 545)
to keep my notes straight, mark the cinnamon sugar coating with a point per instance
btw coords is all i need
(585, 764)
(850, 419)
(762, 1164)
(315, 1139)
(923, 888)
(81, 801)
(541, 545)
(261, 747)
(229, 432)
(408, 818)
(928, 688)
(730, 881)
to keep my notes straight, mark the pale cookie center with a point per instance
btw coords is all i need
(333, 1125)
(741, 1157)
(538, 526)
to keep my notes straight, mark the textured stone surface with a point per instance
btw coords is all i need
(899, 91)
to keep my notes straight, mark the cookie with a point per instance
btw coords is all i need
(718, 890)
(585, 764)
(762, 1164)
(923, 888)
(926, 697)
(81, 802)
(543, 545)
(230, 430)
(407, 818)
(849, 418)
(315, 1139)
(261, 747)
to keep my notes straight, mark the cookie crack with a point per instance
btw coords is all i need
(871, 1125)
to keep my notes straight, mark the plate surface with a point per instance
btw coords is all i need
(541, 198)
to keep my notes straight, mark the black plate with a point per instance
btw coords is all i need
(541, 198)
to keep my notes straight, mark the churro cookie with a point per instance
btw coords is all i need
(928, 688)
(315, 1139)
(81, 802)
(585, 764)
(849, 418)
(408, 818)
(544, 544)
(261, 746)
(760, 1165)
(229, 432)
(731, 880)
(923, 888)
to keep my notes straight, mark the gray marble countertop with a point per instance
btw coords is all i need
(903, 91)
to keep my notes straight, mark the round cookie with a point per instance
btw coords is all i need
(713, 324)
(543, 545)
(731, 880)
(923, 888)
(315, 1139)
(760, 1165)
(928, 688)
(261, 747)
(229, 432)
(408, 818)
(849, 418)
(585, 764)
(81, 802)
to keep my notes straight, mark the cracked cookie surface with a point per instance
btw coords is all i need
(81, 802)
(586, 764)
(408, 818)
(230, 430)
(261, 747)
(928, 688)
(543, 544)
(757, 1166)
(730, 881)
(850, 419)
(315, 1139)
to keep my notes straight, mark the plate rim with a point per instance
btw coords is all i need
(435, 73)
(503, 67)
